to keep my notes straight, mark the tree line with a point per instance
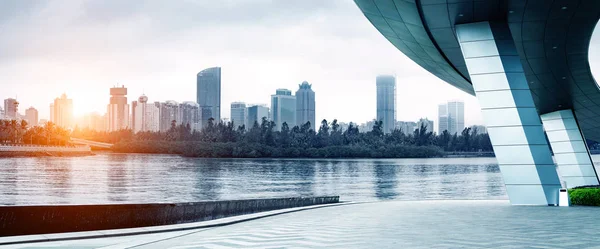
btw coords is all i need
(264, 140)
(18, 132)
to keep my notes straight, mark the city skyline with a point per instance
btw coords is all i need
(164, 68)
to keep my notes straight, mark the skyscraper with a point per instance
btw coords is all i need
(386, 101)
(63, 112)
(238, 113)
(209, 94)
(11, 107)
(451, 117)
(442, 118)
(283, 108)
(189, 115)
(118, 109)
(255, 114)
(146, 116)
(305, 105)
(169, 112)
(31, 116)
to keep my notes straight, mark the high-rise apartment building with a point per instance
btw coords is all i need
(63, 112)
(189, 115)
(283, 108)
(255, 114)
(169, 112)
(305, 105)
(209, 94)
(407, 127)
(238, 114)
(428, 124)
(31, 116)
(92, 121)
(11, 107)
(451, 117)
(118, 109)
(146, 116)
(386, 101)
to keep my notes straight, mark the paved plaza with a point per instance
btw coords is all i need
(393, 224)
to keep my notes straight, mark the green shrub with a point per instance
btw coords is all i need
(585, 196)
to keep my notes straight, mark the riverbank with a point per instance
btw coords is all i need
(6, 154)
(19, 150)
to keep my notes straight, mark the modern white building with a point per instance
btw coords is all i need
(407, 127)
(169, 113)
(427, 123)
(238, 113)
(189, 115)
(256, 113)
(451, 117)
(11, 107)
(117, 110)
(146, 116)
(305, 105)
(62, 113)
(283, 108)
(386, 101)
(31, 116)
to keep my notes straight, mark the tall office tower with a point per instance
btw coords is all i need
(481, 129)
(63, 112)
(146, 116)
(31, 116)
(238, 114)
(386, 101)
(456, 116)
(169, 112)
(427, 123)
(11, 107)
(283, 108)
(1, 113)
(209, 94)
(133, 107)
(442, 118)
(118, 109)
(255, 114)
(305, 105)
(189, 114)
(451, 117)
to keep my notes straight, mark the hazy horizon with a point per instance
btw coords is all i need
(153, 47)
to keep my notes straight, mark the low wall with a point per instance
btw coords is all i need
(26, 220)
(41, 148)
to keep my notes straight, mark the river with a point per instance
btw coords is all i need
(138, 178)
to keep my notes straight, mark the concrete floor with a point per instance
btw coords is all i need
(394, 224)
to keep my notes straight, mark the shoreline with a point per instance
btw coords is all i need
(12, 154)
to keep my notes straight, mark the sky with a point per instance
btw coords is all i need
(156, 48)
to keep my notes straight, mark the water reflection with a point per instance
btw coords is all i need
(386, 181)
(119, 178)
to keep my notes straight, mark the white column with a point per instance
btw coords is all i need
(508, 109)
(570, 150)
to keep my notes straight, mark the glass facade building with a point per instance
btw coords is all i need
(386, 101)
(209, 94)
(238, 114)
(283, 108)
(255, 115)
(305, 105)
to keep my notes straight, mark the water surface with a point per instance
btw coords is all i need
(137, 178)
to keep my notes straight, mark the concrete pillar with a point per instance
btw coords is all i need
(509, 112)
(570, 150)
